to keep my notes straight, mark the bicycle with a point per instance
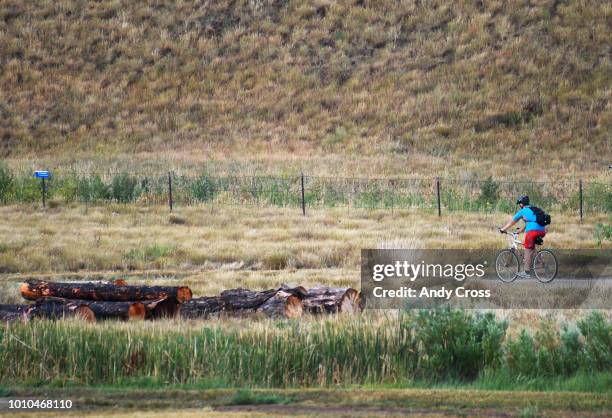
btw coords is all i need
(508, 262)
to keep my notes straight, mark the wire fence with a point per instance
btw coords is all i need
(303, 192)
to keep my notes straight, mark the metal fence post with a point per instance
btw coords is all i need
(438, 196)
(303, 197)
(170, 202)
(580, 198)
(44, 192)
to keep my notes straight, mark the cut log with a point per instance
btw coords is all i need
(282, 305)
(244, 299)
(329, 300)
(10, 313)
(202, 308)
(50, 309)
(36, 289)
(102, 309)
(161, 308)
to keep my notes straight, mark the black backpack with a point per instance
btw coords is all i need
(542, 218)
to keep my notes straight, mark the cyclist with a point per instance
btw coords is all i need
(532, 229)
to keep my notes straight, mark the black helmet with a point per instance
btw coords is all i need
(523, 199)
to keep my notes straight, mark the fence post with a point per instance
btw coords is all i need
(44, 192)
(580, 197)
(438, 196)
(170, 202)
(303, 198)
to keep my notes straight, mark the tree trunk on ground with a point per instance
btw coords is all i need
(35, 289)
(242, 302)
(333, 300)
(53, 309)
(9, 313)
(103, 310)
(162, 308)
(203, 307)
(282, 305)
(241, 299)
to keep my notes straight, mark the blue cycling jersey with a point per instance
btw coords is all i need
(530, 219)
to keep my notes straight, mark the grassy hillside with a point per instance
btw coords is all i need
(440, 83)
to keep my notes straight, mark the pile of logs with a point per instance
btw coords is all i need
(287, 302)
(96, 301)
(117, 300)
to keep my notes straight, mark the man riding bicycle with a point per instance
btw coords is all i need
(533, 231)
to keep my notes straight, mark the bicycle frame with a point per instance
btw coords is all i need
(513, 239)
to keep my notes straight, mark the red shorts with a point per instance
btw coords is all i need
(530, 238)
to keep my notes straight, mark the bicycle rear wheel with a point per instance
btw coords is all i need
(507, 265)
(545, 266)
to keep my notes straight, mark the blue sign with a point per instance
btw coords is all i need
(42, 174)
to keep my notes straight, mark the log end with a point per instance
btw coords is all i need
(351, 302)
(294, 307)
(29, 292)
(136, 311)
(183, 294)
(85, 313)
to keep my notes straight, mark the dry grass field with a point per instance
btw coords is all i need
(373, 87)
(73, 238)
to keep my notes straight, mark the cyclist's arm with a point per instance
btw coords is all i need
(513, 220)
(508, 225)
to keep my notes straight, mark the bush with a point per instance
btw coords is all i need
(521, 358)
(457, 345)
(489, 194)
(66, 187)
(6, 182)
(27, 189)
(204, 188)
(597, 333)
(123, 188)
(94, 189)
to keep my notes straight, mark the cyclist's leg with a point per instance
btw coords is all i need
(529, 249)
(528, 257)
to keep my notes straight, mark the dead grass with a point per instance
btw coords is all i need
(127, 238)
(406, 87)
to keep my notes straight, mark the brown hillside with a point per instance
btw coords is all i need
(458, 80)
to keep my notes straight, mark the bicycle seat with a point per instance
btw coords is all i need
(539, 241)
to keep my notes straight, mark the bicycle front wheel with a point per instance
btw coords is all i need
(507, 266)
(545, 266)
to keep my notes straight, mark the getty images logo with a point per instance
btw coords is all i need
(411, 271)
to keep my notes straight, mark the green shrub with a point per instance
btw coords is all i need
(6, 182)
(456, 344)
(521, 358)
(66, 187)
(597, 333)
(27, 189)
(489, 194)
(123, 188)
(571, 349)
(204, 188)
